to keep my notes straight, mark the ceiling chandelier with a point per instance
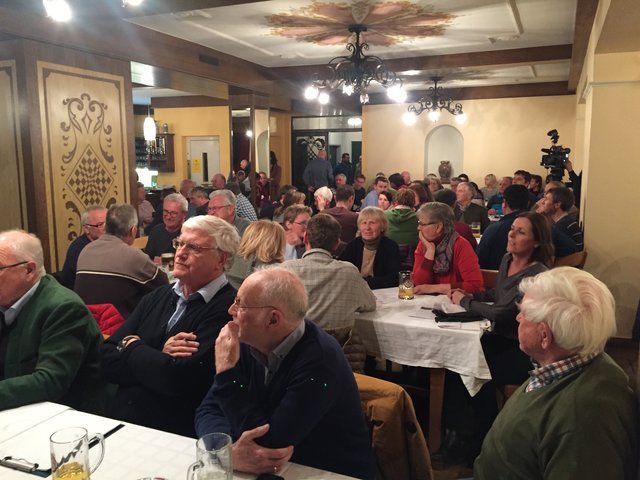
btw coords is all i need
(354, 73)
(435, 100)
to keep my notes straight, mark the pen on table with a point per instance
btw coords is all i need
(94, 440)
(426, 308)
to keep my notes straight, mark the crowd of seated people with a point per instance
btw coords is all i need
(236, 313)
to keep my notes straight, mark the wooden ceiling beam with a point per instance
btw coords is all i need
(585, 16)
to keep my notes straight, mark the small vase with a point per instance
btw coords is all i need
(445, 171)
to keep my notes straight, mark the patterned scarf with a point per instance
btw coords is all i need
(444, 253)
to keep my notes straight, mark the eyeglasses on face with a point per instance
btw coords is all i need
(171, 213)
(424, 224)
(95, 225)
(14, 265)
(190, 247)
(236, 304)
(215, 209)
(302, 224)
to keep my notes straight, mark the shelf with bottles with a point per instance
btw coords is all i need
(157, 156)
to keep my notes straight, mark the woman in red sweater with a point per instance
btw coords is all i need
(443, 259)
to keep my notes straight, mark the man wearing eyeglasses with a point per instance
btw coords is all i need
(111, 271)
(49, 342)
(283, 388)
(222, 204)
(92, 221)
(162, 357)
(174, 213)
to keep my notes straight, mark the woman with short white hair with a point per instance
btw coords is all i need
(323, 197)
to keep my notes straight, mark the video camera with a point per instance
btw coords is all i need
(554, 157)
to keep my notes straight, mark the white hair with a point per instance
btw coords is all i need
(224, 235)
(24, 246)
(228, 195)
(325, 193)
(179, 199)
(578, 308)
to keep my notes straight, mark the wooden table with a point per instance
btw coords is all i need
(403, 332)
(131, 452)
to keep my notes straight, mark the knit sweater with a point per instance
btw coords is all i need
(53, 353)
(155, 389)
(582, 426)
(464, 272)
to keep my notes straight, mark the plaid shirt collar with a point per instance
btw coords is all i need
(542, 376)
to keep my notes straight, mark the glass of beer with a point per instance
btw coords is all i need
(475, 229)
(214, 462)
(70, 454)
(405, 285)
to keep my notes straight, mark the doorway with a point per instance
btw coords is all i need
(203, 158)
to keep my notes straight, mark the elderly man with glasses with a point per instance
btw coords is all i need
(222, 204)
(283, 388)
(161, 357)
(174, 213)
(49, 342)
(92, 221)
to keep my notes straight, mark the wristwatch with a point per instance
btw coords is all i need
(122, 344)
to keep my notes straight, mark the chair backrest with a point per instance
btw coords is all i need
(140, 242)
(406, 255)
(577, 260)
(489, 278)
(396, 437)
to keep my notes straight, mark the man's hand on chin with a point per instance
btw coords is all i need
(227, 350)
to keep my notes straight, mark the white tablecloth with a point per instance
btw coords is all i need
(131, 453)
(401, 331)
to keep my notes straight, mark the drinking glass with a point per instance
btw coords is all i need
(70, 454)
(405, 285)
(475, 229)
(213, 453)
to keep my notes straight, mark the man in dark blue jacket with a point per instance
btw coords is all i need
(287, 391)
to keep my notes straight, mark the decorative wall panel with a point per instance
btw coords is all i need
(84, 147)
(12, 193)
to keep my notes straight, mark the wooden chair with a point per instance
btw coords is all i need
(576, 260)
(489, 278)
(140, 242)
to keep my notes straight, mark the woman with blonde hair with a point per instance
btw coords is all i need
(262, 244)
(490, 186)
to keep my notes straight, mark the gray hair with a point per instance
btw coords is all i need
(438, 212)
(281, 287)
(471, 188)
(224, 235)
(24, 246)
(374, 213)
(84, 218)
(228, 196)
(120, 219)
(179, 199)
(578, 308)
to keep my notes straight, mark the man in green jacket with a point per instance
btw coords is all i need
(49, 342)
(576, 416)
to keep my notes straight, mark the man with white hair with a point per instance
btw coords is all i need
(576, 416)
(174, 213)
(49, 342)
(222, 204)
(288, 385)
(161, 357)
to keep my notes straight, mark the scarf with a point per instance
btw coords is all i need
(444, 253)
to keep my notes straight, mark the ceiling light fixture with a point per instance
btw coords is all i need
(149, 127)
(131, 3)
(58, 10)
(354, 73)
(434, 101)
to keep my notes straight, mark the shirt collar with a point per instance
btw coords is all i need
(11, 313)
(318, 251)
(273, 361)
(541, 376)
(207, 292)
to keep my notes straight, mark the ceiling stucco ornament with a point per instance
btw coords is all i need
(388, 23)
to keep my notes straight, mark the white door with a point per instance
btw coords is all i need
(203, 158)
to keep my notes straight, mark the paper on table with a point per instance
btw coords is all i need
(33, 444)
(471, 326)
(441, 302)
